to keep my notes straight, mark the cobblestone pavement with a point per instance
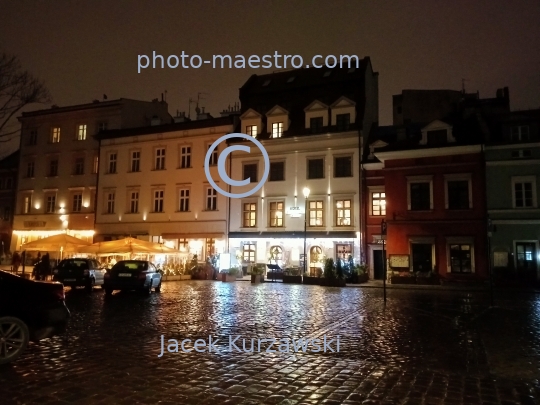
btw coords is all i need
(423, 347)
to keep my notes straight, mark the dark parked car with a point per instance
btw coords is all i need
(132, 275)
(29, 311)
(79, 273)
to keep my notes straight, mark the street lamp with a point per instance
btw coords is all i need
(306, 195)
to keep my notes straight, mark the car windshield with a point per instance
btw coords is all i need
(81, 264)
(141, 266)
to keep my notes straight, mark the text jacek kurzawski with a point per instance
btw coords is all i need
(239, 344)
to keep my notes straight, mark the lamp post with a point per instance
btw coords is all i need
(306, 195)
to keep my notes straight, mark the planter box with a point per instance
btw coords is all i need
(428, 281)
(292, 279)
(402, 280)
(332, 282)
(358, 279)
(256, 278)
(311, 280)
(225, 277)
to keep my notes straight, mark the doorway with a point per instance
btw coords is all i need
(422, 257)
(526, 260)
(378, 264)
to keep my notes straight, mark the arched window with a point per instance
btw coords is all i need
(315, 254)
(276, 254)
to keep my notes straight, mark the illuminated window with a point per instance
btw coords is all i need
(95, 165)
(276, 254)
(135, 161)
(134, 202)
(277, 129)
(27, 204)
(55, 135)
(378, 204)
(81, 132)
(343, 212)
(160, 159)
(211, 199)
(250, 215)
(185, 157)
(251, 130)
(316, 213)
(210, 246)
(77, 202)
(276, 213)
(248, 252)
(158, 200)
(183, 196)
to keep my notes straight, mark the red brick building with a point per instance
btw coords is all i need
(430, 189)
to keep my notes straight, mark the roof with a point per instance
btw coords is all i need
(78, 107)
(10, 161)
(160, 129)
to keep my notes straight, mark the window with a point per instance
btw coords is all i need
(420, 196)
(251, 130)
(520, 133)
(343, 166)
(343, 213)
(277, 129)
(7, 213)
(112, 163)
(248, 252)
(316, 213)
(277, 171)
(276, 254)
(185, 157)
(77, 202)
(53, 168)
(378, 204)
(158, 200)
(213, 156)
(81, 132)
(522, 153)
(210, 246)
(134, 202)
(102, 126)
(9, 183)
(55, 135)
(250, 215)
(135, 161)
(524, 189)
(32, 138)
(316, 125)
(458, 194)
(160, 159)
(250, 172)
(211, 199)
(50, 208)
(27, 204)
(276, 214)
(437, 137)
(79, 166)
(183, 196)
(30, 169)
(110, 202)
(460, 258)
(95, 165)
(343, 121)
(315, 168)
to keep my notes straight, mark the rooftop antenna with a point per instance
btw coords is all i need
(197, 109)
(191, 101)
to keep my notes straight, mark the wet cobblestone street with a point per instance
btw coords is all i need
(423, 347)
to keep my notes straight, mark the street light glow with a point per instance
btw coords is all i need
(306, 192)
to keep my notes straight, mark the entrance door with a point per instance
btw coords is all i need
(526, 260)
(422, 257)
(378, 263)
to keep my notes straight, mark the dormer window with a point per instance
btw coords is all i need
(437, 133)
(251, 130)
(277, 129)
(520, 133)
(437, 137)
(343, 121)
(316, 125)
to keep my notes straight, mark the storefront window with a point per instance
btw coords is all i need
(248, 252)
(460, 258)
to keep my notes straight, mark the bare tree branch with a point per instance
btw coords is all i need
(18, 88)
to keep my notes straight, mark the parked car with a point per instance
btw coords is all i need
(132, 275)
(29, 311)
(79, 273)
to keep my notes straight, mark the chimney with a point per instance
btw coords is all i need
(202, 115)
(155, 121)
(231, 110)
(180, 117)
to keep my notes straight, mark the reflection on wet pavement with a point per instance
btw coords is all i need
(432, 347)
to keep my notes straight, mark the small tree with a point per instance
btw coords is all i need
(339, 269)
(194, 264)
(329, 271)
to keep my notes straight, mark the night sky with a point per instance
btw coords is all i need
(86, 49)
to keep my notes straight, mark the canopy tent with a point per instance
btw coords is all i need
(127, 246)
(56, 243)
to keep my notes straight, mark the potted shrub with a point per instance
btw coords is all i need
(229, 275)
(330, 277)
(404, 277)
(292, 276)
(257, 274)
(427, 278)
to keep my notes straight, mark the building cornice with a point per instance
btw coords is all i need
(431, 152)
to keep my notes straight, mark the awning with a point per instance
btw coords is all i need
(193, 235)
